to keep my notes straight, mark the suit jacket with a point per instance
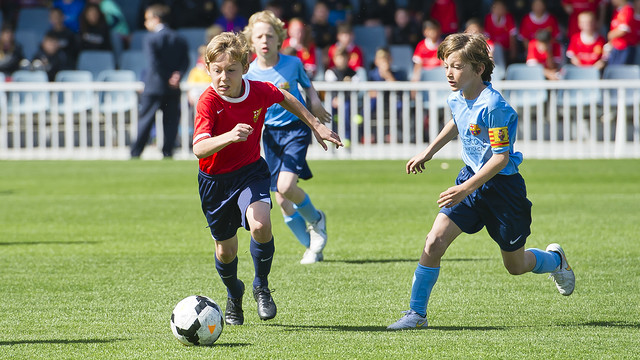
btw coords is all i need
(166, 51)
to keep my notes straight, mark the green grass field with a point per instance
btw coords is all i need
(94, 255)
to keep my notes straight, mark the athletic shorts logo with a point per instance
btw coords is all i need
(475, 129)
(499, 137)
(256, 114)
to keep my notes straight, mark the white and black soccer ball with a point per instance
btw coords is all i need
(197, 320)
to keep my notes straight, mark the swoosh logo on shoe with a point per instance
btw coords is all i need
(420, 324)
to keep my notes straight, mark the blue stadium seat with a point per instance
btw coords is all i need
(133, 60)
(35, 20)
(79, 101)
(195, 37)
(621, 72)
(137, 39)
(525, 97)
(438, 75)
(117, 101)
(401, 56)
(29, 101)
(30, 41)
(96, 61)
(571, 72)
(369, 39)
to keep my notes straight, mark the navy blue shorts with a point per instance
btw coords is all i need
(500, 204)
(285, 149)
(226, 197)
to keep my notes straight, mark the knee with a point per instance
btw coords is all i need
(435, 246)
(261, 231)
(286, 188)
(226, 254)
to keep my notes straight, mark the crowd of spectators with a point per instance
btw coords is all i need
(578, 32)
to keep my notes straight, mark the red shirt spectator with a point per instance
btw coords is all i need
(299, 41)
(623, 21)
(426, 54)
(538, 19)
(345, 39)
(445, 12)
(584, 49)
(500, 27)
(575, 7)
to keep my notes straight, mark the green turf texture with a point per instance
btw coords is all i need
(95, 255)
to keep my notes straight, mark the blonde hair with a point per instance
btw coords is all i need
(228, 43)
(266, 16)
(473, 49)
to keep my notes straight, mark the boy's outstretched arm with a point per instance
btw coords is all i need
(212, 145)
(416, 163)
(321, 132)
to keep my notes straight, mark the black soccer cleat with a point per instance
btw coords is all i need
(266, 307)
(234, 315)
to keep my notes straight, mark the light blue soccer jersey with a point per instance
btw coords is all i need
(486, 125)
(287, 74)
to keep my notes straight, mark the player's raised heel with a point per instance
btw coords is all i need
(563, 276)
(310, 257)
(410, 320)
(266, 307)
(234, 315)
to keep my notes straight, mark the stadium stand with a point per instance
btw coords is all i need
(23, 102)
(79, 101)
(96, 61)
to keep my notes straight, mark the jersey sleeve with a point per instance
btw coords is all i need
(498, 123)
(204, 120)
(273, 95)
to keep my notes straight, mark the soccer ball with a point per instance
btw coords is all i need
(197, 320)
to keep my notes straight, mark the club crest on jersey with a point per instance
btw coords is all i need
(499, 137)
(475, 129)
(284, 85)
(256, 114)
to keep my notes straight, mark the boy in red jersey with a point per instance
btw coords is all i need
(621, 35)
(425, 56)
(538, 19)
(500, 27)
(575, 7)
(233, 179)
(545, 51)
(586, 47)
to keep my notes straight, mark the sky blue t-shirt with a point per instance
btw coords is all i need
(287, 74)
(486, 125)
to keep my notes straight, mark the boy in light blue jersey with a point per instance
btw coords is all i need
(489, 190)
(285, 137)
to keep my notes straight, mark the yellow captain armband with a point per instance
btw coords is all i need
(499, 137)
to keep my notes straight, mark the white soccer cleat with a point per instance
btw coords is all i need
(410, 320)
(311, 257)
(318, 234)
(563, 276)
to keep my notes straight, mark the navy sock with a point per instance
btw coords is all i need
(229, 275)
(262, 258)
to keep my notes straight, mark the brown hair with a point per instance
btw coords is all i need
(228, 43)
(473, 49)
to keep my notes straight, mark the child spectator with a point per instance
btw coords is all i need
(500, 27)
(586, 47)
(445, 13)
(621, 34)
(345, 40)
(114, 17)
(575, 7)
(300, 40)
(94, 31)
(405, 30)
(538, 19)
(230, 20)
(426, 54)
(67, 39)
(341, 71)
(10, 51)
(545, 51)
(323, 33)
(50, 57)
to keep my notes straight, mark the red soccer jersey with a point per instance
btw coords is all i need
(623, 20)
(444, 11)
(216, 115)
(500, 30)
(306, 55)
(426, 54)
(534, 55)
(587, 50)
(531, 24)
(355, 56)
(579, 6)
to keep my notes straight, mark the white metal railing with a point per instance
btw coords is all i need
(379, 120)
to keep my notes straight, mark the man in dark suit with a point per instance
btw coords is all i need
(167, 55)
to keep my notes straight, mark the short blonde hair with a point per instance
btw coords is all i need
(228, 43)
(266, 16)
(473, 49)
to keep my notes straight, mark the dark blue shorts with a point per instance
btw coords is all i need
(500, 204)
(285, 149)
(226, 197)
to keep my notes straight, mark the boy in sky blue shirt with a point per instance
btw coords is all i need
(489, 190)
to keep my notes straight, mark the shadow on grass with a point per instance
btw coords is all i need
(7, 192)
(60, 341)
(289, 327)
(613, 324)
(17, 243)
(231, 345)
(388, 261)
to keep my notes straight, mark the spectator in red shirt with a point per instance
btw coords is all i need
(545, 51)
(586, 47)
(500, 27)
(538, 19)
(621, 35)
(426, 54)
(574, 7)
(300, 40)
(345, 39)
(445, 13)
